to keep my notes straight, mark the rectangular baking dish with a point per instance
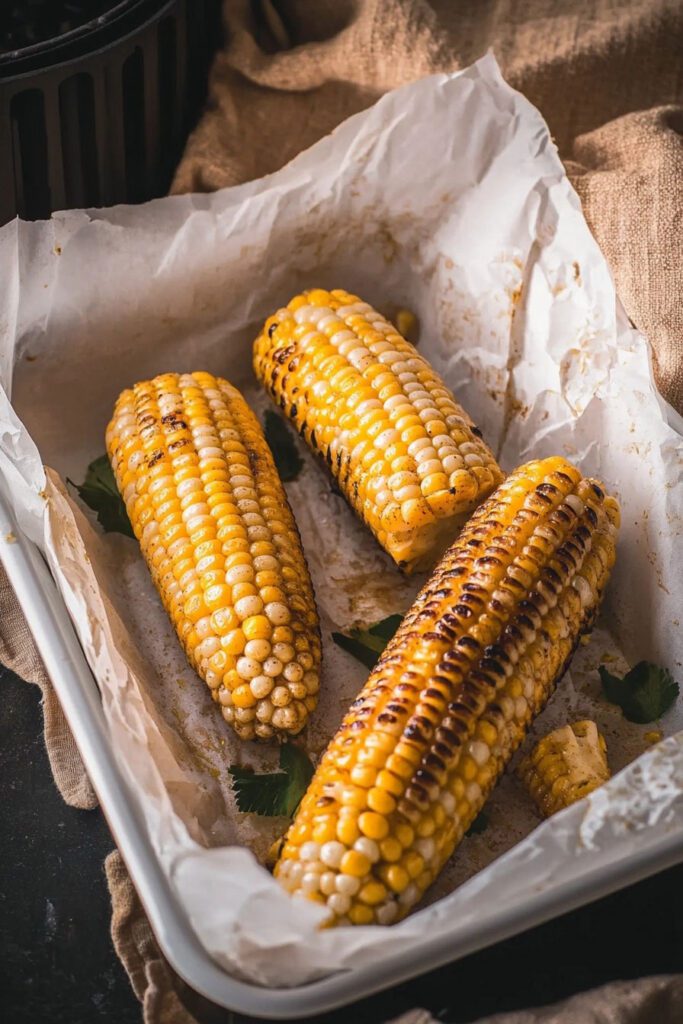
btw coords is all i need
(77, 690)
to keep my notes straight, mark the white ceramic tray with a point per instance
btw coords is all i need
(77, 691)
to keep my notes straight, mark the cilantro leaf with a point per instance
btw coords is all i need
(366, 645)
(479, 825)
(274, 793)
(644, 694)
(100, 493)
(288, 462)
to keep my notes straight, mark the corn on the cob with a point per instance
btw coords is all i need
(565, 766)
(450, 699)
(208, 508)
(404, 453)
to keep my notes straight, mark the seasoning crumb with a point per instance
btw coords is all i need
(585, 640)
(654, 736)
(58, 250)
(10, 538)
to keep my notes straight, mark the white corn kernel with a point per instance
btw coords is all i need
(338, 903)
(331, 853)
(368, 847)
(309, 851)
(327, 883)
(348, 885)
(310, 882)
(247, 668)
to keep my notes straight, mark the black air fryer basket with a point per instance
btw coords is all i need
(97, 97)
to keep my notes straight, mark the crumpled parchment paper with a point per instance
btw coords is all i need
(447, 197)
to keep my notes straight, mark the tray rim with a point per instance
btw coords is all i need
(77, 691)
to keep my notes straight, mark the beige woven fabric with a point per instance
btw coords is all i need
(608, 77)
(153, 981)
(606, 74)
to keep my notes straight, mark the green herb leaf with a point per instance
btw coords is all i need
(100, 493)
(281, 443)
(479, 825)
(274, 793)
(366, 645)
(644, 694)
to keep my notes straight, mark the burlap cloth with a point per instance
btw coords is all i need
(608, 77)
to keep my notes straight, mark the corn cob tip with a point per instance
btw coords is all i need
(406, 456)
(214, 525)
(565, 766)
(452, 697)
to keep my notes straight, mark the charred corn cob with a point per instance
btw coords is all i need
(565, 766)
(451, 698)
(205, 501)
(405, 455)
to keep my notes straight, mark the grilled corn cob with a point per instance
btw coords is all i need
(205, 501)
(450, 700)
(405, 455)
(565, 766)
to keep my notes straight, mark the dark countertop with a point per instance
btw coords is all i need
(58, 966)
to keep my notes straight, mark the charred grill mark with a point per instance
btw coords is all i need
(173, 421)
(281, 355)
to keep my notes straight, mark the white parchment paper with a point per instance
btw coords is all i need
(447, 197)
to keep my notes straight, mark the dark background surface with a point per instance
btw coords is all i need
(58, 966)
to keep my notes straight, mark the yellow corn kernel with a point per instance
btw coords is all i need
(355, 863)
(372, 893)
(394, 404)
(360, 914)
(193, 455)
(373, 825)
(475, 660)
